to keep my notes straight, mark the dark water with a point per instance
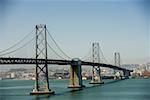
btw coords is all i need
(132, 89)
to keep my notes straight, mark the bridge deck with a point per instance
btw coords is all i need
(54, 61)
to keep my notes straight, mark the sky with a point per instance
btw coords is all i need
(118, 25)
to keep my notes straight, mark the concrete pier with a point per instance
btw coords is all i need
(75, 74)
(42, 93)
(96, 77)
(126, 74)
(41, 90)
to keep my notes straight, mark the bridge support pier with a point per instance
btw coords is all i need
(42, 82)
(126, 74)
(96, 77)
(117, 75)
(75, 75)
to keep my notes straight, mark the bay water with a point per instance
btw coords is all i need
(130, 89)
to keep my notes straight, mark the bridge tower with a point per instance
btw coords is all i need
(117, 74)
(117, 59)
(96, 72)
(41, 74)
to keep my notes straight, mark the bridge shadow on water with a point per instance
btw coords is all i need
(89, 87)
(74, 91)
(96, 85)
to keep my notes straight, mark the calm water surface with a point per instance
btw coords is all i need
(131, 89)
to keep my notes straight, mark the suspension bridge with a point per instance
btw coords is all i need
(41, 62)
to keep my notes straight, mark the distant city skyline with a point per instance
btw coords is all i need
(118, 25)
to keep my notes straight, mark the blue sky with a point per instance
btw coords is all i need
(118, 25)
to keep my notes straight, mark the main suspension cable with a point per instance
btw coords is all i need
(17, 42)
(18, 48)
(55, 52)
(85, 57)
(103, 55)
(57, 45)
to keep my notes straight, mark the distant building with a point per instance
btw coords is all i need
(61, 74)
(12, 75)
(146, 74)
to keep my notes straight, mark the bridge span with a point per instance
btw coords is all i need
(55, 62)
(75, 73)
(41, 62)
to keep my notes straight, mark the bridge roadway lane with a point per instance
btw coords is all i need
(55, 62)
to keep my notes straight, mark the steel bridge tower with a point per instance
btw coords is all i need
(96, 72)
(41, 74)
(117, 59)
(117, 74)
